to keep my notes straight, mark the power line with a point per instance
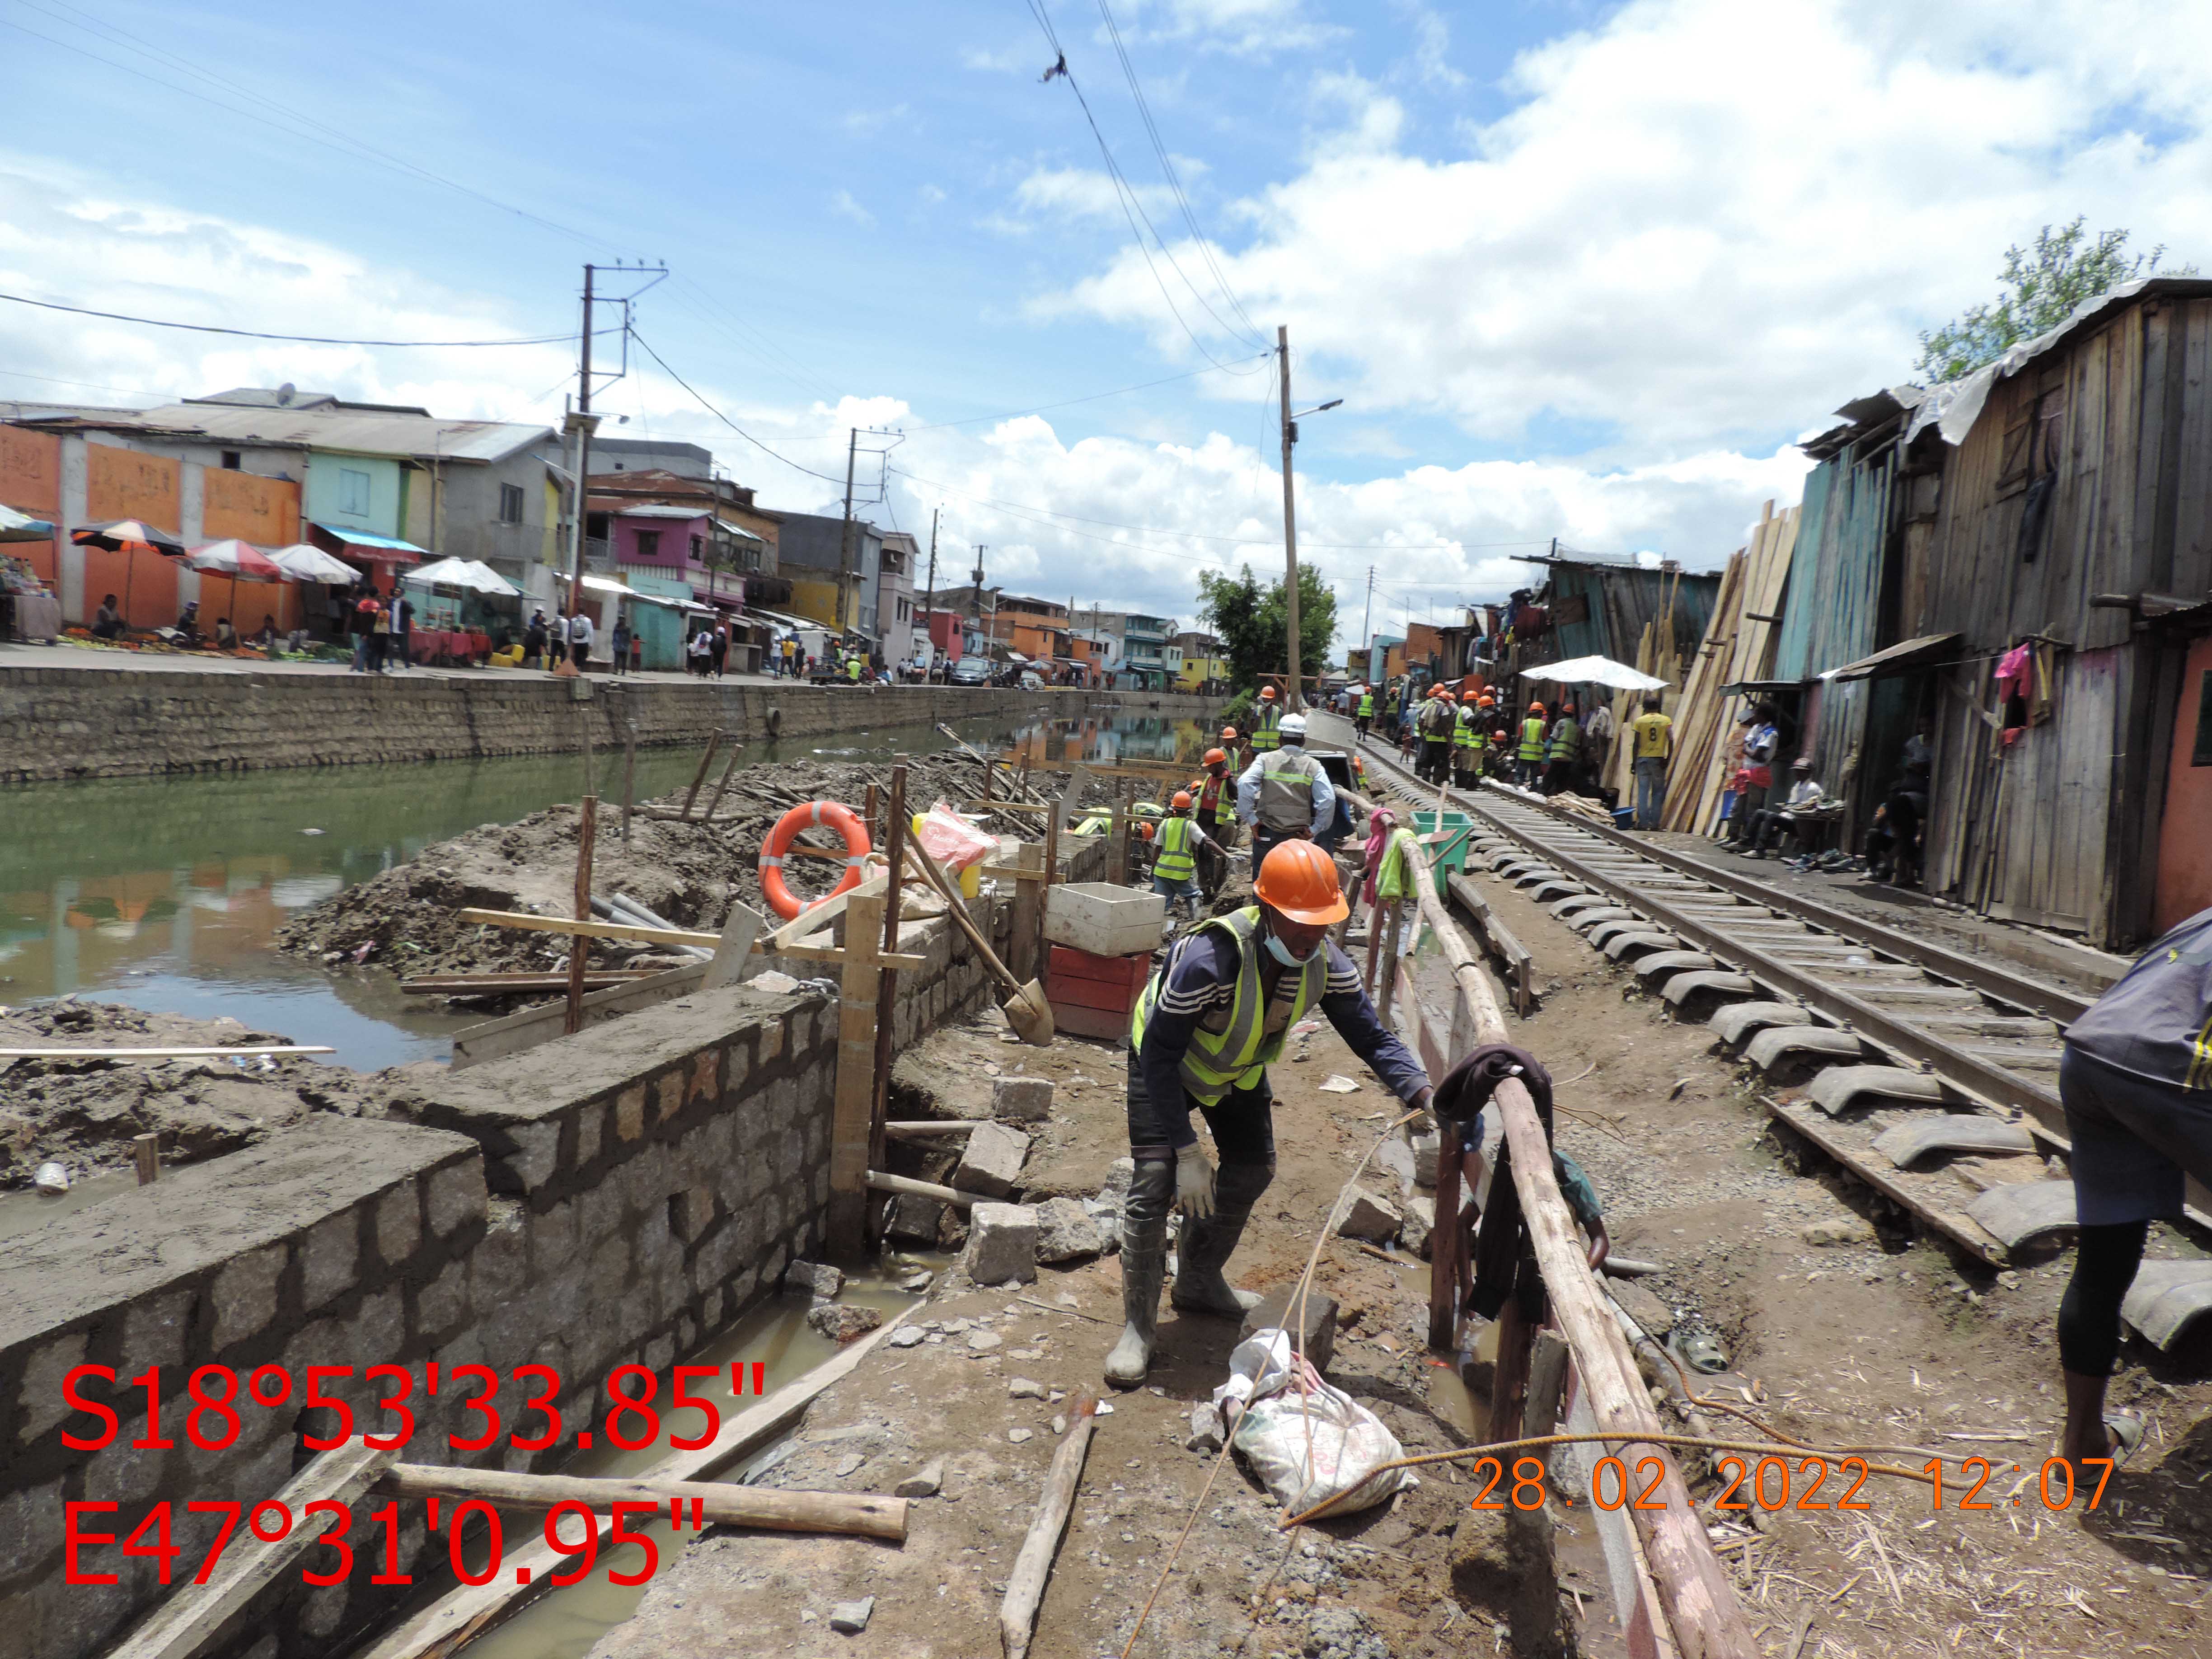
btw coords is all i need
(1069, 403)
(647, 348)
(1175, 180)
(296, 339)
(1132, 209)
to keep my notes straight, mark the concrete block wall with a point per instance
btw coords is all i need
(102, 722)
(621, 1195)
(339, 1242)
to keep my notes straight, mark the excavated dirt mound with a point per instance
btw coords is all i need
(84, 1114)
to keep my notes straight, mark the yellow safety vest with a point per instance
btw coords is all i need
(1469, 735)
(1367, 706)
(1264, 734)
(1532, 738)
(1177, 859)
(1566, 740)
(1232, 1047)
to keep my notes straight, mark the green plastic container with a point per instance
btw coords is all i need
(1450, 853)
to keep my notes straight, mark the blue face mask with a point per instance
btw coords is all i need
(1281, 953)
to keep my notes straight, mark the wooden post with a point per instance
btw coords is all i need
(722, 789)
(588, 818)
(1118, 840)
(853, 1112)
(1445, 1246)
(1043, 957)
(629, 781)
(1386, 975)
(868, 803)
(147, 1149)
(887, 987)
(1029, 876)
(713, 742)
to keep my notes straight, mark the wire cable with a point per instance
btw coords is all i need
(644, 346)
(297, 339)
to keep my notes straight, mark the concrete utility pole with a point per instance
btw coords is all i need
(583, 426)
(926, 626)
(845, 572)
(1292, 697)
(1367, 627)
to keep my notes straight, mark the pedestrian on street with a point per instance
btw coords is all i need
(1284, 794)
(2135, 1081)
(402, 628)
(360, 622)
(579, 639)
(1364, 716)
(380, 634)
(1652, 735)
(718, 648)
(556, 639)
(618, 643)
(533, 639)
(1211, 1021)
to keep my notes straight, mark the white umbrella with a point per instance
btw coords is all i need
(1595, 671)
(489, 581)
(461, 572)
(307, 563)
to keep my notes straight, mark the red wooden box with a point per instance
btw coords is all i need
(1113, 970)
(1072, 1021)
(1091, 995)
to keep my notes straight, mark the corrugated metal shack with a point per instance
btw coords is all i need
(1600, 607)
(2059, 499)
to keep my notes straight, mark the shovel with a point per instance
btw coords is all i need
(1027, 1011)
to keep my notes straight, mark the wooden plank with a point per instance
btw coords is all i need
(898, 827)
(713, 742)
(196, 1616)
(853, 1105)
(720, 1503)
(590, 929)
(837, 956)
(511, 1034)
(587, 821)
(739, 929)
(1700, 1601)
(1033, 1563)
(450, 1623)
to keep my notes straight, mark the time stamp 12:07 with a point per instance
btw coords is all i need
(1809, 1483)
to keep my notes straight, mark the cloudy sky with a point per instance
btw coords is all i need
(1577, 269)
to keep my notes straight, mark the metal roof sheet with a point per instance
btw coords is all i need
(416, 437)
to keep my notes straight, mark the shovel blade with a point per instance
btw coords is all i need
(1030, 1015)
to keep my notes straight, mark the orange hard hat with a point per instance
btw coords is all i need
(1268, 693)
(1535, 708)
(1298, 879)
(1497, 737)
(1144, 832)
(1228, 734)
(1182, 801)
(1468, 697)
(1215, 758)
(1489, 701)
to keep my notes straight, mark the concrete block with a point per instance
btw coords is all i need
(330, 1259)
(629, 1112)
(591, 1128)
(1022, 1099)
(535, 1157)
(246, 1294)
(1065, 1231)
(1317, 1324)
(444, 1302)
(399, 1223)
(690, 1212)
(454, 1195)
(154, 1332)
(992, 1164)
(816, 1279)
(1371, 1216)
(668, 1095)
(1002, 1243)
(913, 1220)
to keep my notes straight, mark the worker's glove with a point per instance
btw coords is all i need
(1195, 1182)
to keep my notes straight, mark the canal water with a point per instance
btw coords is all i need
(166, 893)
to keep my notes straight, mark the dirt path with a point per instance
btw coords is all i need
(1879, 1340)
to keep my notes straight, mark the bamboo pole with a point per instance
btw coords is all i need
(895, 835)
(587, 821)
(720, 1502)
(1033, 1565)
(713, 742)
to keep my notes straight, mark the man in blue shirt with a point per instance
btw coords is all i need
(1210, 1023)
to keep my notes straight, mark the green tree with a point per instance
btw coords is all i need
(2040, 286)
(1252, 622)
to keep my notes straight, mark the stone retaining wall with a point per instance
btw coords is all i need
(621, 1195)
(58, 723)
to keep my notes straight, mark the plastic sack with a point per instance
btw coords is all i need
(1276, 1421)
(953, 841)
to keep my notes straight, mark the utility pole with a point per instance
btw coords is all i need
(926, 627)
(845, 573)
(1367, 627)
(583, 425)
(1293, 699)
(975, 593)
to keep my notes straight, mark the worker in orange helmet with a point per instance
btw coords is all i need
(1235, 744)
(1211, 1021)
(1176, 853)
(1439, 720)
(1267, 733)
(1217, 816)
(1530, 757)
(1470, 737)
(1495, 760)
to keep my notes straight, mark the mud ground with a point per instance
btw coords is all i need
(1888, 1340)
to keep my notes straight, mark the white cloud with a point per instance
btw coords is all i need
(1004, 60)
(1713, 220)
(1253, 27)
(843, 204)
(1085, 193)
(866, 121)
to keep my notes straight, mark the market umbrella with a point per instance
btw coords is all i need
(131, 536)
(241, 561)
(22, 528)
(1595, 671)
(307, 563)
(467, 573)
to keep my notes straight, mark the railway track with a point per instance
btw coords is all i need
(1927, 1072)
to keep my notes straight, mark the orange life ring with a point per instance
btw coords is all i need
(830, 813)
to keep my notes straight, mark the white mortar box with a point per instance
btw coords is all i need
(1105, 919)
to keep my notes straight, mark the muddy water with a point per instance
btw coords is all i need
(565, 1624)
(166, 893)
